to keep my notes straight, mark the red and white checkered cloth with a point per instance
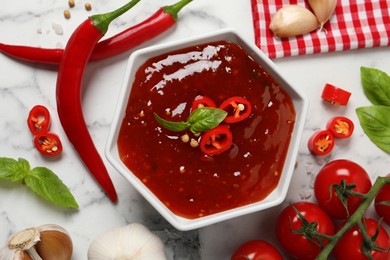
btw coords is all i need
(355, 24)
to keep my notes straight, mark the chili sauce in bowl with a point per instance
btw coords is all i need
(187, 185)
(190, 183)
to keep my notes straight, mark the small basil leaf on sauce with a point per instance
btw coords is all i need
(376, 86)
(170, 125)
(375, 121)
(205, 118)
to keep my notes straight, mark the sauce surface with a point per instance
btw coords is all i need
(188, 182)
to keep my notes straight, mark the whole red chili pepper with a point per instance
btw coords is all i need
(76, 55)
(153, 26)
(156, 24)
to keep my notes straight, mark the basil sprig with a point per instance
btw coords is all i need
(200, 120)
(40, 180)
(375, 119)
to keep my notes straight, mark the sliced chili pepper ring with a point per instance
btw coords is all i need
(340, 127)
(202, 101)
(38, 119)
(47, 143)
(335, 95)
(321, 142)
(216, 140)
(238, 109)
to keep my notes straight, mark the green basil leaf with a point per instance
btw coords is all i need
(376, 86)
(375, 121)
(46, 184)
(13, 170)
(206, 118)
(170, 125)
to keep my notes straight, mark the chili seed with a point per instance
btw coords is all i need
(194, 143)
(185, 138)
(71, 3)
(67, 14)
(88, 6)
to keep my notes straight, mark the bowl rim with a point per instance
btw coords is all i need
(178, 222)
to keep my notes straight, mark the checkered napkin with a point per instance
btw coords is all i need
(355, 24)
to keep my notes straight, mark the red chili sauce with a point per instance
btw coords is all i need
(188, 182)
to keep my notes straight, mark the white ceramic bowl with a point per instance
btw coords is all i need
(299, 100)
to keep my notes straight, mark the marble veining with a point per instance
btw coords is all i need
(23, 85)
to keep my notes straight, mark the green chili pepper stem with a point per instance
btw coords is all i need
(175, 8)
(355, 218)
(102, 21)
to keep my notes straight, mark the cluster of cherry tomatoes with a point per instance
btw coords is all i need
(340, 188)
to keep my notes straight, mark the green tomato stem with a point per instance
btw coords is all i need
(355, 218)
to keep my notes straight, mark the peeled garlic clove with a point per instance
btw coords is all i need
(44, 242)
(293, 20)
(323, 9)
(133, 241)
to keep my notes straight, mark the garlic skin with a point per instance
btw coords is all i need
(323, 10)
(38, 243)
(293, 20)
(133, 241)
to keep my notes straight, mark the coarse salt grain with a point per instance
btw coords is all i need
(57, 29)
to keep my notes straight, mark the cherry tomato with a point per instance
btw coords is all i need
(238, 109)
(335, 95)
(349, 246)
(202, 101)
(332, 174)
(383, 196)
(38, 119)
(321, 142)
(256, 250)
(216, 140)
(298, 245)
(47, 143)
(340, 127)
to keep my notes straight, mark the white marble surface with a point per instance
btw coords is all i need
(24, 85)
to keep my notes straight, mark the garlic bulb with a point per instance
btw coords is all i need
(133, 241)
(323, 9)
(37, 243)
(293, 20)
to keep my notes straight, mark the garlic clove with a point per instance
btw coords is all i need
(133, 241)
(55, 243)
(44, 242)
(293, 20)
(323, 10)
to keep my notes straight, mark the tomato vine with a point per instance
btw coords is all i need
(355, 218)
